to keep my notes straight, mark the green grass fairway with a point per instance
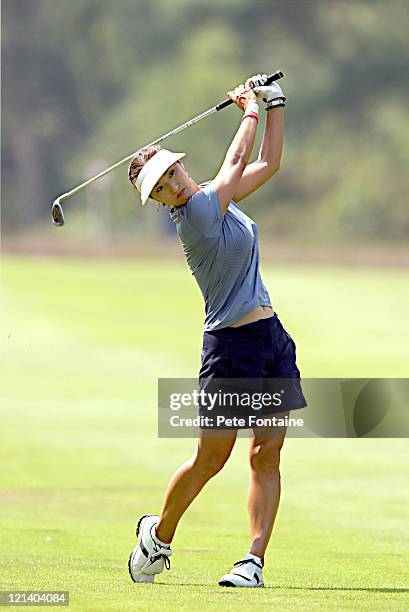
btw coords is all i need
(83, 343)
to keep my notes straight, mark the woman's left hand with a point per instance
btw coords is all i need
(272, 94)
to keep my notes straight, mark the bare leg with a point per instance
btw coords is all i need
(265, 487)
(212, 452)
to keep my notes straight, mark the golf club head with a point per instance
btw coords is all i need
(57, 214)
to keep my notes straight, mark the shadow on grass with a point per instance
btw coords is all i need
(226, 589)
(369, 589)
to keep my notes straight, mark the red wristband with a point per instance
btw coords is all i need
(250, 115)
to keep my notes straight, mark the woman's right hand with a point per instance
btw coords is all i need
(242, 95)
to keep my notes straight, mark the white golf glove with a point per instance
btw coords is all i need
(271, 94)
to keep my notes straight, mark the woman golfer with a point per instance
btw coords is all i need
(243, 337)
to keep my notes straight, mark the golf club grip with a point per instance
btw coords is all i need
(273, 77)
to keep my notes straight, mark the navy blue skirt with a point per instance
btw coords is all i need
(250, 360)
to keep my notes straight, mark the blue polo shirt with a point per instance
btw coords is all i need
(223, 255)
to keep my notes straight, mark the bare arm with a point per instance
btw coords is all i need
(239, 152)
(269, 157)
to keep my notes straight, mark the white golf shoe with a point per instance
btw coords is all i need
(149, 556)
(246, 573)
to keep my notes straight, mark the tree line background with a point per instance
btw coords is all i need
(85, 83)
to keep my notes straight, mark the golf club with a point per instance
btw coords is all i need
(57, 212)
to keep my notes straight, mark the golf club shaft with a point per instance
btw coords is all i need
(123, 161)
(273, 77)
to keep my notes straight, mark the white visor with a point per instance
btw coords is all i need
(153, 170)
